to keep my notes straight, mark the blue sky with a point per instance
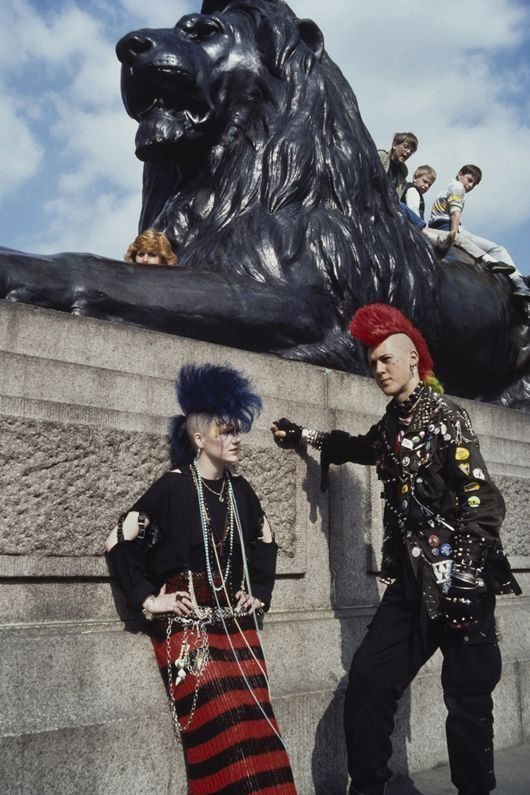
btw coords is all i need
(456, 73)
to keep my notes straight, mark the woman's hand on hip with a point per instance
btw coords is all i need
(178, 602)
(247, 602)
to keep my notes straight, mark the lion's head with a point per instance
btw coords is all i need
(195, 83)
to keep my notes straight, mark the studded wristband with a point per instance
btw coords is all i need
(142, 522)
(313, 438)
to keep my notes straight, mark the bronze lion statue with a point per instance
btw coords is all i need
(259, 169)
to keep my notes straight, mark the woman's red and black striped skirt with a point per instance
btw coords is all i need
(228, 730)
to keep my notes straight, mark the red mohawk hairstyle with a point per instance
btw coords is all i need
(373, 323)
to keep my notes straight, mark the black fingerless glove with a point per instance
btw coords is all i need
(461, 610)
(293, 434)
(461, 605)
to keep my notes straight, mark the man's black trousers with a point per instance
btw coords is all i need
(400, 639)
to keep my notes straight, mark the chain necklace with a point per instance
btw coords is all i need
(194, 660)
(218, 494)
(207, 530)
(430, 415)
(189, 661)
(218, 546)
(246, 580)
(406, 407)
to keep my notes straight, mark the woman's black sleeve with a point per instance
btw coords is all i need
(128, 566)
(261, 556)
(128, 558)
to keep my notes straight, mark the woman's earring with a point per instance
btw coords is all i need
(198, 453)
(412, 369)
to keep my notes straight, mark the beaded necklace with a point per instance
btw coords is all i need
(207, 530)
(233, 520)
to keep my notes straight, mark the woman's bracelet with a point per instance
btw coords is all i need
(147, 608)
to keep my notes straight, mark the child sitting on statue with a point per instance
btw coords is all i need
(412, 196)
(446, 215)
(393, 161)
(413, 205)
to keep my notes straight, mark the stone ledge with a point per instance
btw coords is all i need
(74, 414)
(102, 344)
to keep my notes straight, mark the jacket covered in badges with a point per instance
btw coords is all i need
(441, 507)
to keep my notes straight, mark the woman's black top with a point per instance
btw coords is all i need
(172, 504)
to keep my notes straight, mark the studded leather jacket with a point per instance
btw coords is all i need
(442, 509)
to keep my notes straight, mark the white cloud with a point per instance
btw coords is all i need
(101, 148)
(158, 13)
(381, 31)
(105, 226)
(28, 34)
(16, 137)
(72, 95)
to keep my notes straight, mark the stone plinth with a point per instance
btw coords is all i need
(83, 413)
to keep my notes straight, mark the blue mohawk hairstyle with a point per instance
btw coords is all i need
(221, 392)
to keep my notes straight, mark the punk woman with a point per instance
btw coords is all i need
(197, 557)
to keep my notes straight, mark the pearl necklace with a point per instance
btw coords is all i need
(207, 530)
(233, 521)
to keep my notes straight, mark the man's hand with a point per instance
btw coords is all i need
(461, 609)
(286, 434)
(463, 601)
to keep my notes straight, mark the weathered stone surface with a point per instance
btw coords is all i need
(116, 757)
(524, 678)
(62, 485)
(273, 476)
(516, 493)
(83, 413)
